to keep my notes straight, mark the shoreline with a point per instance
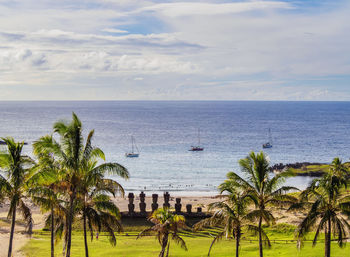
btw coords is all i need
(177, 193)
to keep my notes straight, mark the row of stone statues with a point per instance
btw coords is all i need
(155, 205)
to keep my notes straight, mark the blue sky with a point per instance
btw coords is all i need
(173, 50)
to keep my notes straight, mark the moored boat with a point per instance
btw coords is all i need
(132, 154)
(269, 143)
(197, 148)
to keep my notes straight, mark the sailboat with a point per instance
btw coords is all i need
(269, 143)
(197, 148)
(133, 146)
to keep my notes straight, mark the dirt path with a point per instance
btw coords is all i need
(20, 238)
(19, 241)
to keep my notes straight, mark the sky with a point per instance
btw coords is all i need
(173, 50)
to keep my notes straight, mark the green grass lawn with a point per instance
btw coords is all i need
(198, 246)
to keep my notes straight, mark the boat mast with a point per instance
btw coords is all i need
(270, 137)
(132, 144)
(199, 138)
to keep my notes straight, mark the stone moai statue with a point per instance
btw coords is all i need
(178, 205)
(199, 209)
(154, 202)
(166, 203)
(142, 203)
(131, 204)
(189, 208)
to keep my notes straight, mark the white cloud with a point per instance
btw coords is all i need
(119, 31)
(59, 39)
(175, 50)
(22, 59)
(158, 64)
(197, 8)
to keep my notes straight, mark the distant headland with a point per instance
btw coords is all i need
(310, 169)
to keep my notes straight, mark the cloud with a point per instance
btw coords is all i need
(119, 31)
(63, 39)
(176, 50)
(159, 64)
(21, 59)
(197, 8)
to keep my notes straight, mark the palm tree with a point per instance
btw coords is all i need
(45, 192)
(17, 168)
(328, 206)
(98, 211)
(263, 190)
(73, 157)
(166, 224)
(49, 200)
(229, 213)
(338, 168)
(48, 189)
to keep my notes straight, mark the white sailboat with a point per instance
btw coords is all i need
(198, 147)
(133, 147)
(269, 143)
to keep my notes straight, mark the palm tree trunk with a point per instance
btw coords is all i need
(328, 239)
(167, 251)
(260, 239)
(164, 244)
(64, 246)
(12, 230)
(238, 237)
(70, 221)
(52, 234)
(85, 238)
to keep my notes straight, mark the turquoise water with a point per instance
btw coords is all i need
(164, 131)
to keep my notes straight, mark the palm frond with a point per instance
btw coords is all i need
(110, 186)
(108, 206)
(179, 240)
(88, 147)
(13, 204)
(145, 232)
(217, 238)
(255, 231)
(27, 216)
(5, 186)
(234, 180)
(112, 169)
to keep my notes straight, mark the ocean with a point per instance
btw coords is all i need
(164, 132)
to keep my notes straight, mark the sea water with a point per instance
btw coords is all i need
(165, 131)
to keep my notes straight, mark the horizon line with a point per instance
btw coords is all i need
(157, 100)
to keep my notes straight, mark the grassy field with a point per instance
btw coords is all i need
(311, 168)
(197, 244)
(315, 168)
